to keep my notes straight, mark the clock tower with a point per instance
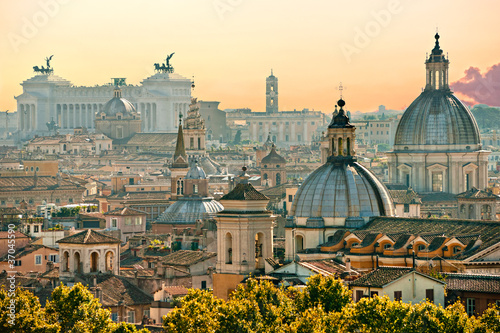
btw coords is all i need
(271, 93)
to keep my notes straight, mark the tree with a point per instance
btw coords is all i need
(327, 292)
(29, 316)
(77, 310)
(198, 312)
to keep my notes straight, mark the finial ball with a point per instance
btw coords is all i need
(341, 102)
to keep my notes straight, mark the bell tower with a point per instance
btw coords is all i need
(271, 93)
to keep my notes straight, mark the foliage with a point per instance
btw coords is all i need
(30, 317)
(77, 310)
(237, 137)
(486, 116)
(71, 310)
(67, 212)
(382, 147)
(329, 293)
(324, 306)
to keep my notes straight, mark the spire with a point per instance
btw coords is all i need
(180, 157)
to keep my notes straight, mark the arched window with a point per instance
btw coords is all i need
(76, 263)
(65, 261)
(340, 147)
(264, 176)
(387, 246)
(109, 261)
(471, 212)
(94, 262)
(348, 143)
(485, 212)
(278, 179)
(229, 248)
(462, 209)
(195, 189)
(456, 249)
(299, 243)
(421, 247)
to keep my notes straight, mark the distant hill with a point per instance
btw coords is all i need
(487, 117)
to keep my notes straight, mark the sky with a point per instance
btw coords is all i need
(375, 48)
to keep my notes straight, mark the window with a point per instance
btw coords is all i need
(398, 295)
(421, 247)
(3, 202)
(28, 229)
(17, 201)
(138, 220)
(70, 200)
(313, 123)
(406, 208)
(114, 221)
(130, 316)
(286, 138)
(387, 246)
(429, 294)
(203, 284)
(471, 306)
(114, 317)
(54, 258)
(290, 198)
(195, 189)
(373, 293)
(18, 263)
(191, 143)
(58, 200)
(147, 313)
(354, 244)
(128, 221)
(38, 259)
(437, 182)
(35, 228)
(359, 295)
(299, 138)
(457, 249)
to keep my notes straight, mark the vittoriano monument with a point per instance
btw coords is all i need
(166, 67)
(44, 70)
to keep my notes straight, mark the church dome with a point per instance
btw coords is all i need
(196, 172)
(273, 158)
(346, 190)
(437, 117)
(189, 210)
(118, 104)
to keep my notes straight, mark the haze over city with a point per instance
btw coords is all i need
(377, 48)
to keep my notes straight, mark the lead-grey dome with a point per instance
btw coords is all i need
(342, 190)
(118, 104)
(189, 210)
(196, 172)
(436, 117)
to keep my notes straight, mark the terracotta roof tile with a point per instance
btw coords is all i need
(89, 237)
(187, 257)
(473, 283)
(244, 192)
(381, 277)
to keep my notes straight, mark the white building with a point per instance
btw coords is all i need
(46, 97)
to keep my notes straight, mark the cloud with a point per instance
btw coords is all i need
(479, 88)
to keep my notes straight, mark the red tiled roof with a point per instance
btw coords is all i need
(89, 237)
(473, 283)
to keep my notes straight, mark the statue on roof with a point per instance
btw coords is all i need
(44, 70)
(166, 67)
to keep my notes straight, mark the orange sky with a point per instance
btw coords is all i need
(231, 45)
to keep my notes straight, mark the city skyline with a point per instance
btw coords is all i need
(377, 51)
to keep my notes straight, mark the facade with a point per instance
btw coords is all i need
(215, 121)
(36, 190)
(437, 147)
(475, 204)
(244, 230)
(273, 169)
(194, 131)
(406, 201)
(286, 127)
(88, 252)
(159, 99)
(91, 144)
(373, 132)
(128, 221)
(393, 282)
(118, 119)
(339, 194)
(32, 258)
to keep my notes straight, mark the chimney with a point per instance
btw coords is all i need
(95, 281)
(348, 265)
(377, 261)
